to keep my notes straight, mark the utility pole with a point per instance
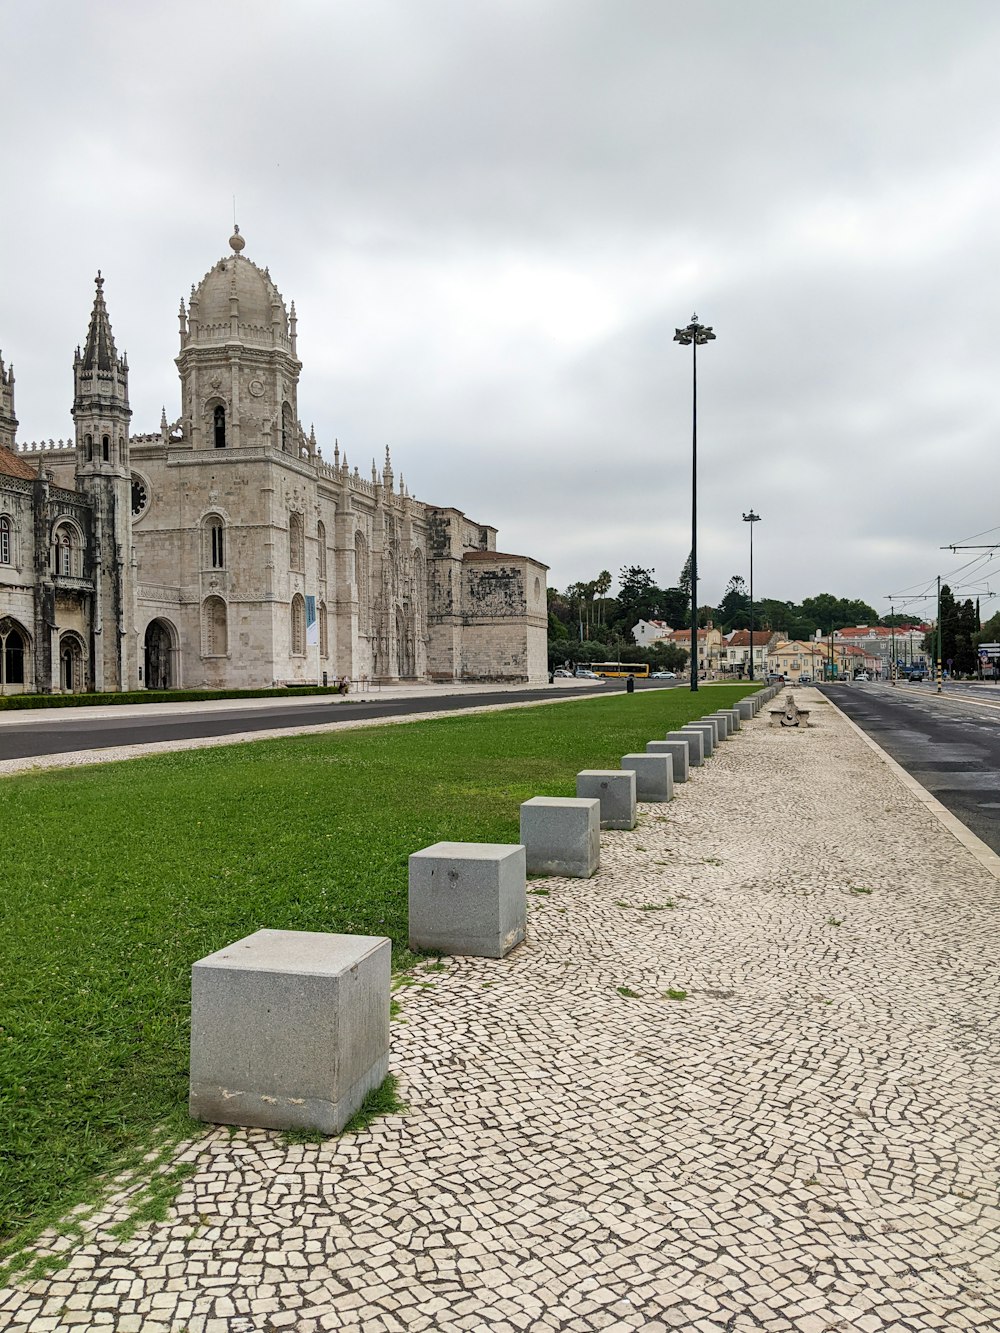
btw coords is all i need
(892, 660)
(938, 672)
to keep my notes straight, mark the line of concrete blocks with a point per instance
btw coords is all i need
(258, 1055)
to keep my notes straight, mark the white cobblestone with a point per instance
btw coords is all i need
(807, 1141)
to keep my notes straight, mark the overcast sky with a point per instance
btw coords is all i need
(492, 215)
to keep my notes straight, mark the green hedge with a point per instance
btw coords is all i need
(153, 697)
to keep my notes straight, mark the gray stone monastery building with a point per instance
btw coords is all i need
(223, 550)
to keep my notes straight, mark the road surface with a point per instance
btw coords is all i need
(949, 742)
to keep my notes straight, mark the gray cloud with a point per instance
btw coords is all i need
(492, 216)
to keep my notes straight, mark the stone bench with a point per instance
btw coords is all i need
(615, 789)
(468, 898)
(654, 776)
(562, 835)
(289, 1029)
(679, 750)
(789, 714)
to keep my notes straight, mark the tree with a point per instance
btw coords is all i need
(735, 605)
(602, 586)
(684, 582)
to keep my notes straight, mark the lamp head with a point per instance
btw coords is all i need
(694, 333)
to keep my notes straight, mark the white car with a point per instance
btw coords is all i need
(663, 675)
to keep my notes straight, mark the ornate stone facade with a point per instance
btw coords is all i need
(223, 550)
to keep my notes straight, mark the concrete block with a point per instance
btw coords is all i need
(734, 714)
(723, 723)
(695, 743)
(720, 732)
(709, 735)
(654, 775)
(615, 789)
(468, 898)
(678, 751)
(289, 1029)
(562, 835)
(746, 709)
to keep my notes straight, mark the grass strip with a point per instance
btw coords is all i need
(116, 878)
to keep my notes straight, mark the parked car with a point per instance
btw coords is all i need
(915, 674)
(663, 675)
(805, 680)
(862, 675)
(563, 674)
(774, 678)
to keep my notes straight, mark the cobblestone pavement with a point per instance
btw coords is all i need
(807, 1141)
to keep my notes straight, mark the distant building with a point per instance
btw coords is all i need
(222, 550)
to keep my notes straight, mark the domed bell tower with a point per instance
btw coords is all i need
(237, 362)
(101, 416)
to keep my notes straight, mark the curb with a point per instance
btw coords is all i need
(985, 855)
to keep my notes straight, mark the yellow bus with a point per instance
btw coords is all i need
(637, 669)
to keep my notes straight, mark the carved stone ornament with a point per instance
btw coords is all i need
(256, 388)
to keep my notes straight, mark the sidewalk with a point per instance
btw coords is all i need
(808, 1141)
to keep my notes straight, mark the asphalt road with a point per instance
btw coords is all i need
(57, 731)
(949, 742)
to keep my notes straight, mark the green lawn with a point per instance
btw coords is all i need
(117, 878)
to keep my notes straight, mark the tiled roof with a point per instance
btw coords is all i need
(12, 466)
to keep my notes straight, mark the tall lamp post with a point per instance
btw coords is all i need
(694, 336)
(751, 518)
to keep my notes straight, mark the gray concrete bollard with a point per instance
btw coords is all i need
(709, 733)
(289, 1029)
(468, 898)
(723, 722)
(746, 709)
(678, 751)
(695, 742)
(734, 714)
(654, 776)
(615, 789)
(562, 835)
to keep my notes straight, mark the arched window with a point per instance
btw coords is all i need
(215, 542)
(67, 551)
(321, 542)
(296, 543)
(214, 631)
(6, 542)
(324, 632)
(219, 426)
(361, 580)
(298, 626)
(287, 425)
(106, 448)
(88, 447)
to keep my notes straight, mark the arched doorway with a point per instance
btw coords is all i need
(70, 664)
(159, 651)
(13, 657)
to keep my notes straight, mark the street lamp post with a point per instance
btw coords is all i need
(694, 336)
(751, 518)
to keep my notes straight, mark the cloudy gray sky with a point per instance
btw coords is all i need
(492, 214)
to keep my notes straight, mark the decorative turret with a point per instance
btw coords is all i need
(239, 373)
(8, 421)
(387, 472)
(100, 401)
(101, 416)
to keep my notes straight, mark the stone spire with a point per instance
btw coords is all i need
(99, 353)
(8, 421)
(387, 472)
